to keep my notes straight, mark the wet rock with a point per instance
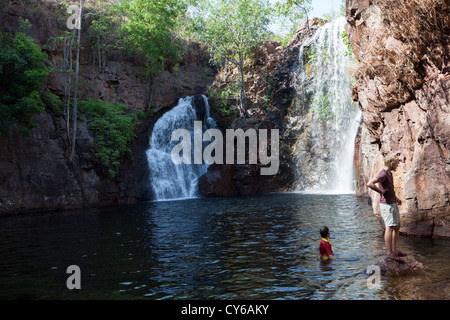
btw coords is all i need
(200, 107)
(392, 268)
(218, 182)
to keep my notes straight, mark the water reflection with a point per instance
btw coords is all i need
(263, 247)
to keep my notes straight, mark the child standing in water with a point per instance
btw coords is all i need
(326, 253)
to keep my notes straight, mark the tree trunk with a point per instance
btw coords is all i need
(68, 83)
(75, 94)
(99, 53)
(66, 79)
(306, 13)
(243, 93)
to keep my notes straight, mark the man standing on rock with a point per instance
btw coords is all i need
(388, 205)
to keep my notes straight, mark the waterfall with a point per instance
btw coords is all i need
(171, 181)
(325, 147)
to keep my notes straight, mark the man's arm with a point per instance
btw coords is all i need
(372, 185)
(399, 202)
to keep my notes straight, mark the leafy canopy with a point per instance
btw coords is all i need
(232, 28)
(146, 29)
(293, 10)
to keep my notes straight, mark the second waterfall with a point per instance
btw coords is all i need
(324, 120)
(171, 181)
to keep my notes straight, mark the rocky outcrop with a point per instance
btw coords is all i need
(245, 179)
(393, 268)
(35, 172)
(403, 90)
(271, 95)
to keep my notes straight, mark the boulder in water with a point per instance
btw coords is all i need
(393, 268)
(218, 182)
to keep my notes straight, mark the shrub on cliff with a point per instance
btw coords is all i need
(113, 126)
(22, 70)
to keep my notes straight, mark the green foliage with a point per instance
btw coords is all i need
(113, 126)
(102, 32)
(283, 39)
(309, 56)
(146, 29)
(295, 10)
(334, 13)
(267, 96)
(53, 103)
(322, 107)
(342, 9)
(19, 113)
(221, 99)
(349, 51)
(314, 55)
(291, 12)
(232, 28)
(22, 70)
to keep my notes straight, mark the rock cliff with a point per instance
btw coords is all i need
(35, 172)
(271, 96)
(403, 90)
(262, 76)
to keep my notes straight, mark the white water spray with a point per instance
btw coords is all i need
(170, 181)
(324, 88)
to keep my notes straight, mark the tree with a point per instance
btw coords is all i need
(232, 29)
(146, 31)
(102, 33)
(69, 37)
(22, 71)
(295, 10)
(75, 94)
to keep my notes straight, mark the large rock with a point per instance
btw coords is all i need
(246, 179)
(34, 172)
(218, 182)
(403, 89)
(393, 268)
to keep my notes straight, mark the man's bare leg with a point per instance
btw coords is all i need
(395, 232)
(388, 237)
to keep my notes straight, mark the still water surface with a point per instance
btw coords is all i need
(259, 247)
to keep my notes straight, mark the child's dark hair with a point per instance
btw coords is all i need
(324, 231)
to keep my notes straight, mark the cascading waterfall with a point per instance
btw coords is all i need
(169, 180)
(325, 154)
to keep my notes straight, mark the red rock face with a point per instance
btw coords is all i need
(403, 87)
